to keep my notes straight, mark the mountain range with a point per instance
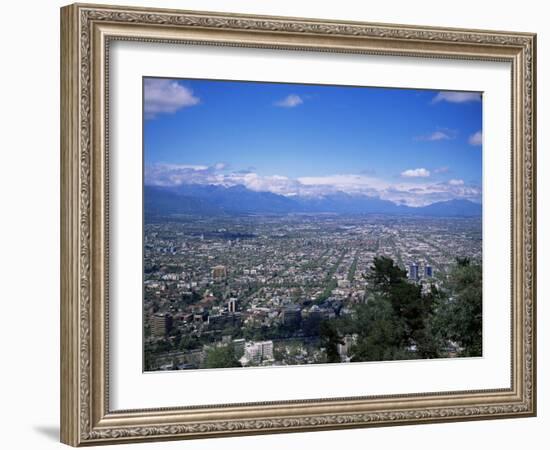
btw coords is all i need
(215, 200)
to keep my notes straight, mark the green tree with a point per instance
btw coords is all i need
(396, 318)
(220, 357)
(330, 338)
(380, 334)
(189, 342)
(148, 359)
(459, 313)
(384, 274)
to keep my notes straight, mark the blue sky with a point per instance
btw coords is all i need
(409, 146)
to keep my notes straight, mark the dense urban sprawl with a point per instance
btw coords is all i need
(256, 290)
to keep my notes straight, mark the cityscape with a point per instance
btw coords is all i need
(245, 267)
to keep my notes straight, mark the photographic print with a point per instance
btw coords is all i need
(290, 224)
(291, 197)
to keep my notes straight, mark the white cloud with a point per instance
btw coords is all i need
(413, 193)
(277, 184)
(178, 174)
(476, 138)
(455, 182)
(162, 96)
(416, 173)
(340, 180)
(457, 97)
(438, 136)
(290, 101)
(350, 183)
(427, 193)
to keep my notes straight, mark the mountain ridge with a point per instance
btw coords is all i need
(209, 199)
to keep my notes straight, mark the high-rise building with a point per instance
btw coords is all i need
(257, 352)
(267, 349)
(232, 305)
(161, 324)
(238, 347)
(219, 273)
(292, 316)
(413, 271)
(345, 346)
(428, 271)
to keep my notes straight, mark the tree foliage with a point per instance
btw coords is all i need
(220, 357)
(330, 338)
(400, 321)
(380, 335)
(459, 317)
(395, 322)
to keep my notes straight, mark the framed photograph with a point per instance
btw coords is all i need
(275, 224)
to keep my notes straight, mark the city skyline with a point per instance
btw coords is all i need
(290, 224)
(411, 147)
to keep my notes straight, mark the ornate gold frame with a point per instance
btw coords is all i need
(86, 31)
